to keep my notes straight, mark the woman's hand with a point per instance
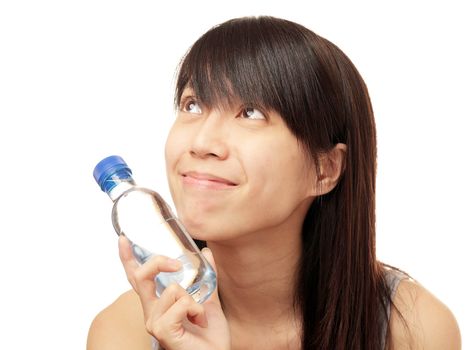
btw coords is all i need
(175, 319)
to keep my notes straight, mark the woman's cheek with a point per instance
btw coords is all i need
(177, 143)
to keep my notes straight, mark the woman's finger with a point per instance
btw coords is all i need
(127, 258)
(169, 296)
(171, 325)
(145, 275)
(142, 277)
(125, 251)
(186, 308)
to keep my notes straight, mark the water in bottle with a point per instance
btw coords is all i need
(148, 222)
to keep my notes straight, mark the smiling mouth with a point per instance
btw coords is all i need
(206, 181)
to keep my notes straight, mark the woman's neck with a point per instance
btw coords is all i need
(257, 278)
(257, 275)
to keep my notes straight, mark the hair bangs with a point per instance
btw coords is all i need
(263, 63)
(227, 66)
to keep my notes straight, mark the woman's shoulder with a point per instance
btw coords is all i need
(119, 326)
(421, 321)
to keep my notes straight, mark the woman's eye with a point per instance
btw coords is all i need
(191, 106)
(252, 113)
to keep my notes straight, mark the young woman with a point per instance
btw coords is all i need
(272, 163)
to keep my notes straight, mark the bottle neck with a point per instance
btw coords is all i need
(121, 185)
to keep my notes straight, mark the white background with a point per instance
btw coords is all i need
(80, 80)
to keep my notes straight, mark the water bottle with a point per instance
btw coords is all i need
(148, 222)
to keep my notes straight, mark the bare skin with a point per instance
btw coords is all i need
(240, 181)
(431, 325)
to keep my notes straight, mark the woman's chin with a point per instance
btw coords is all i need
(205, 231)
(197, 228)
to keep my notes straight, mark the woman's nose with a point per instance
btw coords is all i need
(209, 140)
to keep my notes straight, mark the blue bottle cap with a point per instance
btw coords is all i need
(108, 167)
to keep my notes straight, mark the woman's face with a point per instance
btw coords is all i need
(234, 171)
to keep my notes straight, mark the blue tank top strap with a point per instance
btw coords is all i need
(393, 277)
(155, 345)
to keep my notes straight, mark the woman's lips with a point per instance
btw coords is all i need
(206, 181)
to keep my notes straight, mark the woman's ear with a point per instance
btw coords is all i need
(331, 168)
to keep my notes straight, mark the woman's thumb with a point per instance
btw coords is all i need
(209, 256)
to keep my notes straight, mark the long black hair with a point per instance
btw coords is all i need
(341, 290)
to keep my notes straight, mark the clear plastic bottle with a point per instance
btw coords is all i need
(147, 221)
